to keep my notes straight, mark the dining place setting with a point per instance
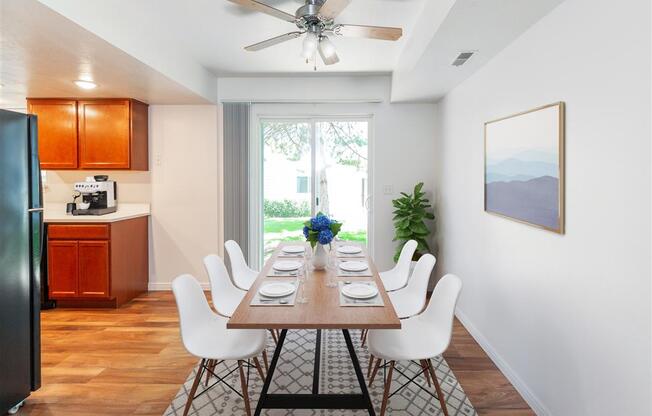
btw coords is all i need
(322, 284)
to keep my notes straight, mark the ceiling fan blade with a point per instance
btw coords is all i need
(264, 8)
(273, 41)
(371, 32)
(332, 8)
(328, 60)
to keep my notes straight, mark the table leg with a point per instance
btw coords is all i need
(315, 374)
(358, 372)
(315, 400)
(270, 373)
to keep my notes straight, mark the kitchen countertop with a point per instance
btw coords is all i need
(56, 213)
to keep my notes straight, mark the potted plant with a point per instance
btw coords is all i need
(410, 213)
(319, 231)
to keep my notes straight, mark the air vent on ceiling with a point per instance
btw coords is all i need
(462, 58)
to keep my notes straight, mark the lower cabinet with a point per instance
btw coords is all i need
(102, 265)
(93, 268)
(63, 269)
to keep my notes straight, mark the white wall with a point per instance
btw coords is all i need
(308, 89)
(402, 146)
(185, 191)
(567, 318)
(132, 186)
(182, 186)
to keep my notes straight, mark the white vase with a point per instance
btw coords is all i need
(320, 258)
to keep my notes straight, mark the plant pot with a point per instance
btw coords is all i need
(320, 257)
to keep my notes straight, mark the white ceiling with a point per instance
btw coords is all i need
(483, 26)
(214, 32)
(42, 53)
(172, 51)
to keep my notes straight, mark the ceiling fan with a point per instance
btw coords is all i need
(316, 19)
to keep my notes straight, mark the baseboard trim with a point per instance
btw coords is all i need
(166, 286)
(520, 386)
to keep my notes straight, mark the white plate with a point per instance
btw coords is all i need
(349, 249)
(359, 291)
(354, 266)
(286, 265)
(277, 290)
(293, 249)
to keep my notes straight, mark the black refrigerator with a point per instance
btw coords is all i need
(21, 248)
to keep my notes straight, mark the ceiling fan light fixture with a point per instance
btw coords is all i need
(327, 47)
(310, 44)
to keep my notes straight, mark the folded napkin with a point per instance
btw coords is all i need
(347, 301)
(260, 300)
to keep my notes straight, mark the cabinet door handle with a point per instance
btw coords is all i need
(35, 210)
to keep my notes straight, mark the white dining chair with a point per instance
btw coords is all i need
(420, 338)
(411, 299)
(243, 275)
(205, 336)
(397, 277)
(225, 295)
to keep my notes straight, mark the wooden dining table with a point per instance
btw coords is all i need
(321, 311)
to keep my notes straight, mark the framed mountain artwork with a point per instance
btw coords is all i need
(524, 167)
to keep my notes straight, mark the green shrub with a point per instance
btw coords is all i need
(285, 208)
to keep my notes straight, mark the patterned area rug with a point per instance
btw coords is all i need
(294, 375)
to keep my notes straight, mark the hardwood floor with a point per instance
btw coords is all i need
(131, 361)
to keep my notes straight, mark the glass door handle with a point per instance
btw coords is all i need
(367, 203)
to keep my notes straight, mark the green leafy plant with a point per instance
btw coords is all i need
(285, 208)
(410, 213)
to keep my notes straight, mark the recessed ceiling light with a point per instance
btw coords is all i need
(86, 85)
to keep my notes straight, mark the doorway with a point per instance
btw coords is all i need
(312, 165)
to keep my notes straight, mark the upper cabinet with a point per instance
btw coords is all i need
(106, 133)
(57, 132)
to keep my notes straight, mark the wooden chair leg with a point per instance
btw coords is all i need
(259, 368)
(440, 394)
(373, 373)
(265, 361)
(371, 364)
(193, 389)
(243, 384)
(364, 337)
(388, 384)
(209, 366)
(363, 333)
(426, 371)
(274, 336)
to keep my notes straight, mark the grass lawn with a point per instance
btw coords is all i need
(291, 229)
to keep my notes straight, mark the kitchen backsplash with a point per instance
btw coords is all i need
(132, 186)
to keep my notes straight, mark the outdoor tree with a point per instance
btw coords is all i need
(338, 142)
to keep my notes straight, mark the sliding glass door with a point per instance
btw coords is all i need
(309, 166)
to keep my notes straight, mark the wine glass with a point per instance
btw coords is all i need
(303, 272)
(331, 268)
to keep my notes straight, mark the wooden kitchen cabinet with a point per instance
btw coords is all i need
(99, 134)
(63, 269)
(93, 268)
(103, 264)
(57, 132)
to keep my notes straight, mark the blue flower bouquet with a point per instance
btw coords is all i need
(321, 229)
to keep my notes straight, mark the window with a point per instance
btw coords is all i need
(302, 184)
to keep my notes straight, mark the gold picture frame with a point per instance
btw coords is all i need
(519, 180)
